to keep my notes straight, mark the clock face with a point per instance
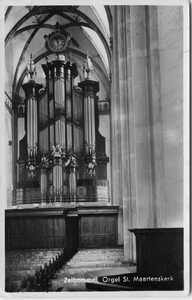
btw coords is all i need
(57, 42)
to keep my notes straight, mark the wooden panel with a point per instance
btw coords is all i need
(72, 233)
(98, 230)
(51, 228)
(159, 251)
(40, 231)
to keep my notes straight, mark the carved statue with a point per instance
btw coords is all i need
(31, 69)
(57, 150)
(87, 67)
(91, 169)
(71, 162)
(44, 162)
(32, 171)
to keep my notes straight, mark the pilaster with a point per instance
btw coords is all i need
(136, 128)
(156, 122)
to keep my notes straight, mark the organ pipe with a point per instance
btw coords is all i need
(72, 185)
(65, 182)
(73, 168)
(93, 126)
(43, 185)
(89, 88)
(86, 126)
(50, 186)
(57, 174)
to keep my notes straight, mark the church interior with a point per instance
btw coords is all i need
(94, 147)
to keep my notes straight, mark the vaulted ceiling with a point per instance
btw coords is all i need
(25, 27)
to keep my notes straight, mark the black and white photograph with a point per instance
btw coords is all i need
(94, 171)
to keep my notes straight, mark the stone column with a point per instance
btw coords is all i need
(155, 112)
(137, 148)
(141, 118)
(122, 130)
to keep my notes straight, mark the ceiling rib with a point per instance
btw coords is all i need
(97, 30)
(109, 16)
(18, 24)
(8, 12)
(62, 12)
(49, 26)
(25, 49)
(37, 10)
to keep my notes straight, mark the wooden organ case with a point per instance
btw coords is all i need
(62, 155)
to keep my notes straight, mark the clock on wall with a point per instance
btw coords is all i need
(57, 42)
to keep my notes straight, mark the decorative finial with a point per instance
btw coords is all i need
(87, 67)
(31, 69)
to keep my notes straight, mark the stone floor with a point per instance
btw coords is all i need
(74, 275)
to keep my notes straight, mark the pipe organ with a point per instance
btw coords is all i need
(60, 155)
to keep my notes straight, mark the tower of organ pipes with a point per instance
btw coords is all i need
(61, 150)
(31, 91)
(89, 88)
(60, 131)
